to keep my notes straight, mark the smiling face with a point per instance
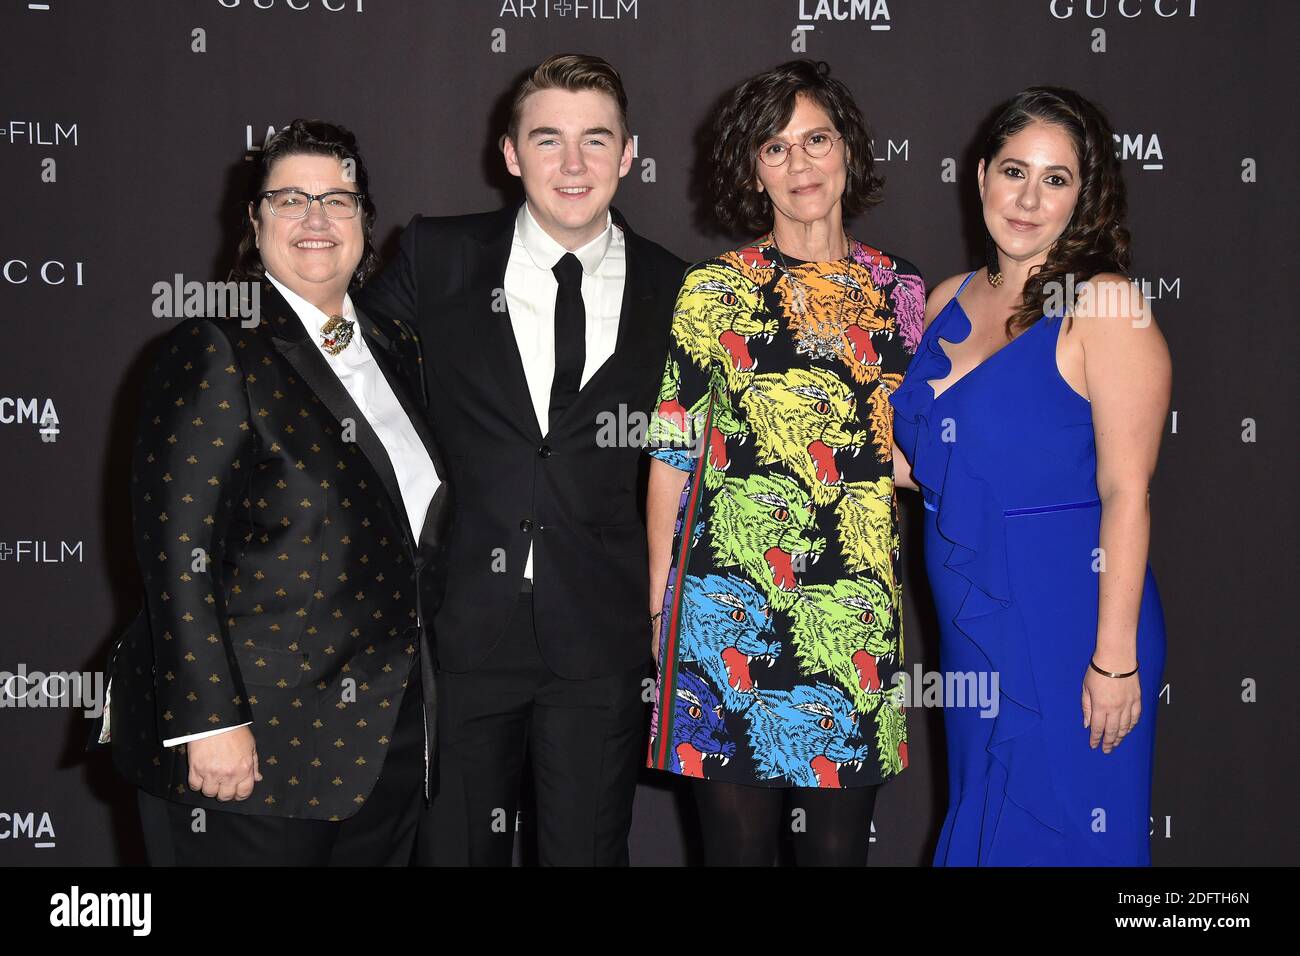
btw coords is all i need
(570, 154)
(1029, 190)
(314, 256)
(804, 189)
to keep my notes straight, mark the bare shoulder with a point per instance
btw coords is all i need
(1112, 308)
(1124, 351)
(941, 295)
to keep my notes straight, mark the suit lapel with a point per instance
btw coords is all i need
(399, 379)
(292, 341)
(637, 295)
(486, 283)
(389, 358)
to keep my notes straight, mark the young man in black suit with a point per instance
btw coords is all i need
(536, 323)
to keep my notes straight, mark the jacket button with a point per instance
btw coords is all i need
(544, 451)
(525, 525)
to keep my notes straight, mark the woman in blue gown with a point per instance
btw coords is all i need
(1030, 419)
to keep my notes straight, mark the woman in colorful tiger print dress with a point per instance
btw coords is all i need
(771, 512)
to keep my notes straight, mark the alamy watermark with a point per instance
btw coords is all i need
(79, 690)
(678, 430)
(949, 689)
(1105, 300)
(179, 299)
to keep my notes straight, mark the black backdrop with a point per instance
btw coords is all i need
(127, 127)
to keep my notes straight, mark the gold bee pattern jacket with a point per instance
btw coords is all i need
(282, 583)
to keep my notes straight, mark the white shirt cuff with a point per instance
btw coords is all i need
(174, 741)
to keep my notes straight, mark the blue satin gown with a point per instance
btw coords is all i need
(1006, 461)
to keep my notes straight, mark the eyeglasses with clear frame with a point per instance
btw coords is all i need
(292, 203)
(816, 146)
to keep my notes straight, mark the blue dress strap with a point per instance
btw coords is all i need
(963, 284)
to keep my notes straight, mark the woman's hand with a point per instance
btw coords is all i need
(1111, 707)
(224, 765)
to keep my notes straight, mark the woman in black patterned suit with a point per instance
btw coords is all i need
(288, 513)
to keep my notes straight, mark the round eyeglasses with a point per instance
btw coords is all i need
(294, 203)
(816, 146)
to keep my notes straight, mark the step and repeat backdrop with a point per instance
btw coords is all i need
(126, 130)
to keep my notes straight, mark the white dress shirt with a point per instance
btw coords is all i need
(531, 287)
(361, 375)
(364, 379)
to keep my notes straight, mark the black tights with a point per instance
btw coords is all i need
(743, 826)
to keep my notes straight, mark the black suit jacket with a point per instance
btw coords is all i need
(282, 583)
(576, 494)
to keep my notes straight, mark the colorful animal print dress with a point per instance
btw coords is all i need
(781, 628)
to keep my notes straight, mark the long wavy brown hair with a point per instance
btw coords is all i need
(1096, 239)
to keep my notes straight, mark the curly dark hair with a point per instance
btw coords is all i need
(311, 138)
(1096, 239)
(757, 110)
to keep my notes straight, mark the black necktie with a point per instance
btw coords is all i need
(570, 336)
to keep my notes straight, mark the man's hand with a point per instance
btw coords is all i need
(224, 765)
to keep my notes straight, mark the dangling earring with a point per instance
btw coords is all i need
(991, 261)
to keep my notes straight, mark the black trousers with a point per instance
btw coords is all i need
(381, 833)
(585, 739)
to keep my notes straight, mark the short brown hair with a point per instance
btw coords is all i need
(757, 110)
(573, 72)
(306, 137)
